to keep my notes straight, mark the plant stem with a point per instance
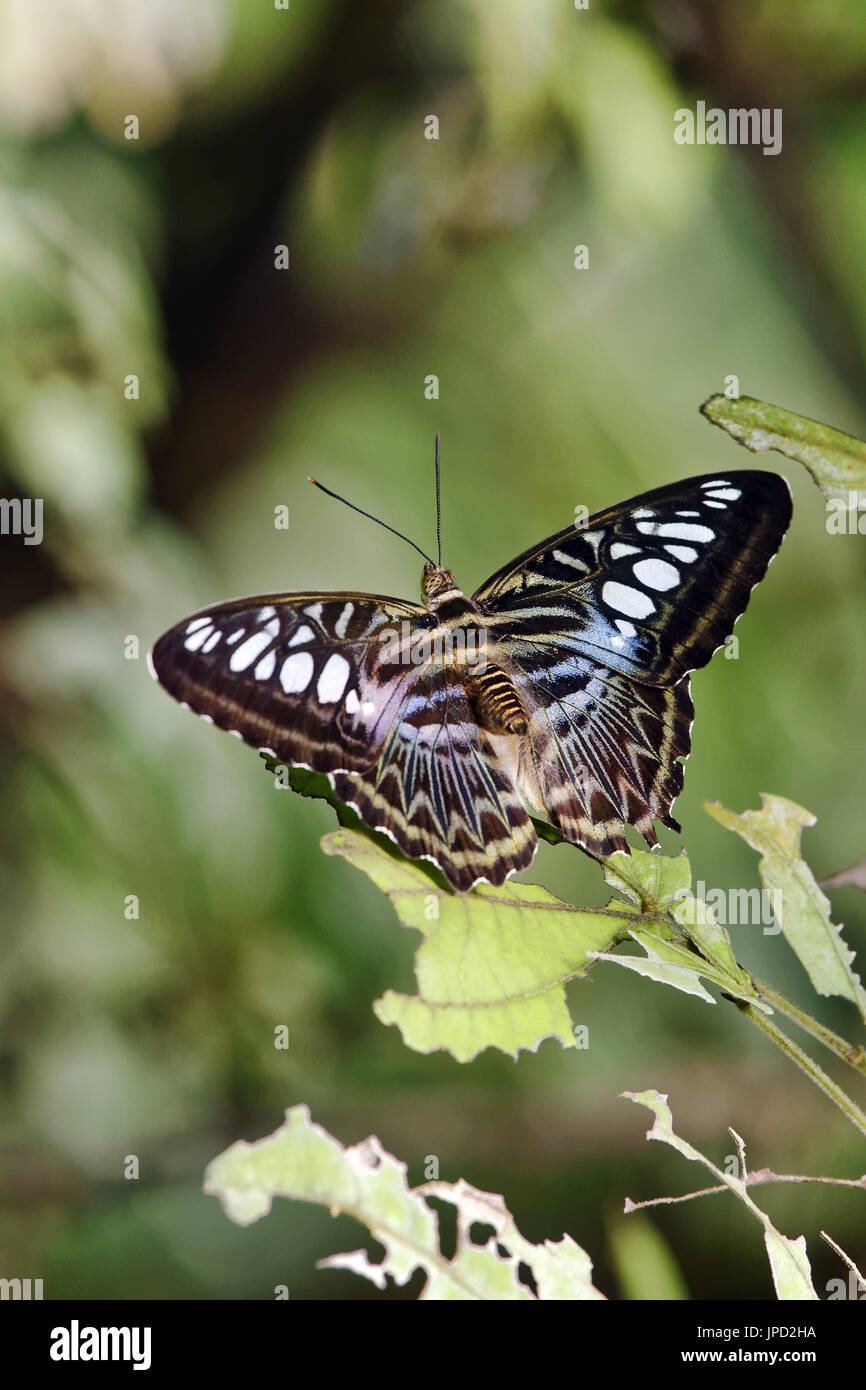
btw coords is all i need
(806, 1064)
(852, 1053)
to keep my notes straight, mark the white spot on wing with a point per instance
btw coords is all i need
(656, 574)
(682, 552)
(213, 641)
(303, 634)
(265, 668)
(332, 681)
(314, 611)
(197, 623)
(236, 636)
(266, 613)
(643, 512)
(619, 550)
(353, 704)
(716, 482)
(343, 620)
(198, 638)
(627, 629)
(627, 600)
(296, 672)
(244, 655)
(679, 530)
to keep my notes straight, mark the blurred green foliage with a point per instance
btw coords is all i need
(409, 257)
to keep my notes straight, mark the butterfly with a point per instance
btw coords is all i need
(561, 685)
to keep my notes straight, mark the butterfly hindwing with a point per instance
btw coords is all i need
(438, 789)
(605, 752)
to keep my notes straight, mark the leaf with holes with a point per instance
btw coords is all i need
(301, 1161)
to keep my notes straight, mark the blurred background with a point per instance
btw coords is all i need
(154, 258)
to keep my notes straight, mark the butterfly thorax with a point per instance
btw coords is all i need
(495, 702)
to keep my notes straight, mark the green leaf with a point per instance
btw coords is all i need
(669, 963)
(789, 1263)
(494, 963)
(656, 883)
(836, 461)
(800, 908)
(698, 920)
(654, 966)
(300, 1160)
(652, 881)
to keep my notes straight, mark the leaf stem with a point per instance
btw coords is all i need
(806, 1064)
(852, 1053)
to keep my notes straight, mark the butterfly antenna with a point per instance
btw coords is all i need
(438, 506)
(370, 517)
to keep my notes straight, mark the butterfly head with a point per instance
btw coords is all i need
(436, 584)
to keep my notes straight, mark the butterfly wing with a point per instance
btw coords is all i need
(602, 624)
(343, 684)
(300, 676)
(439, 790)
(602, 751)
(653, 586)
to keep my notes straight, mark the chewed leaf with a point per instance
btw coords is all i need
(494, 964)
(302, 1161)
(789, 1263)
(836, 461)
(561, 1269)
(800, 908)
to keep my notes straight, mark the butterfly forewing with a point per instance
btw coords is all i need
(305, 676)
(344, 684)
(651, 587)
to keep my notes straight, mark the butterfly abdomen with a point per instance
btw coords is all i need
(495, 703)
